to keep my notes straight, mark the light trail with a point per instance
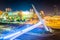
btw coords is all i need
(19, 33)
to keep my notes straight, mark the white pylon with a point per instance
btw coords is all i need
(40, 19)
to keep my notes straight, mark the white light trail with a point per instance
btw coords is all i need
(19, 33)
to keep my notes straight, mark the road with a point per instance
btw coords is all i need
(56, 36)
(37, 34)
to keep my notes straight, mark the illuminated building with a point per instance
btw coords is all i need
(42, 13)
(1, 12)
(8, 9)
(55, 10)
(53, 22)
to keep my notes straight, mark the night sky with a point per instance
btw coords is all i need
(46, 5)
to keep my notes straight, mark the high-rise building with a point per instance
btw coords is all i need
(55, 10)
(8, 9)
